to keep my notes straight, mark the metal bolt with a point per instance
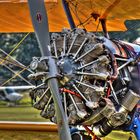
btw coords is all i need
(135, 126)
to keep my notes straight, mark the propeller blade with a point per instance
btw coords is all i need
(63, 128)
(40, 24)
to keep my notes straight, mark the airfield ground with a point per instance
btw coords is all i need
(27, 135)
(25, 112)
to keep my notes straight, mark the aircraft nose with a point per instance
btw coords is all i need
(19, 97)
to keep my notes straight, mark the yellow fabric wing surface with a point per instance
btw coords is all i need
(15, 17)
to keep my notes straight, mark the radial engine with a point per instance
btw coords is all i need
(98, 80)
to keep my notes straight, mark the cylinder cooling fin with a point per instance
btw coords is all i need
(88, 73)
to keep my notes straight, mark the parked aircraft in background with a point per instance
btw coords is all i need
(10, 95)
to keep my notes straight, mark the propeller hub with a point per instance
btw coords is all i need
(68, 67)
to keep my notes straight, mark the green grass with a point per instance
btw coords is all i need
(22, 112)
(27, 135)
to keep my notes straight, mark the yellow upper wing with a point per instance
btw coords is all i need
(15, 17)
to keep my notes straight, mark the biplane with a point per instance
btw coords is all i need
(89, 80)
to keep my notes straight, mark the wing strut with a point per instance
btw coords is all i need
(68, 14)
(103, 23)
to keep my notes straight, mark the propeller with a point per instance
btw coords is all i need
(40, 24)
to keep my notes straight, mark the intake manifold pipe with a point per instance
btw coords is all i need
(128, 103)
